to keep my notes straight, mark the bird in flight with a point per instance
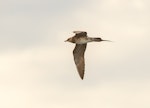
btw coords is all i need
(81, 39)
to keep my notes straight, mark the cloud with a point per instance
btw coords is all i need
(29, 23)
(37, 67)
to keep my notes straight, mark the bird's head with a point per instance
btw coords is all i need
(99, 40)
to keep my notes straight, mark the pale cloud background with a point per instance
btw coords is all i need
(37, 68)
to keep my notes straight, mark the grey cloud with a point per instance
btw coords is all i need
(27, 23)
(42, 72)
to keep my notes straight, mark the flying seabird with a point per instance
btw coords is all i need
(81, 39)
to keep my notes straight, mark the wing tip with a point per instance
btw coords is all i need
(78, 32)
(82, 77)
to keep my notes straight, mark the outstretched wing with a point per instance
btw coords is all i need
(78, 54)
(80, 33)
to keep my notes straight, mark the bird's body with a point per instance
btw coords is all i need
(81, 39)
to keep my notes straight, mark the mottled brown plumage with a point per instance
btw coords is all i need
(81, 39)
(78, 54)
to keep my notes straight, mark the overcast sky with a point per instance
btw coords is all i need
(36, 65)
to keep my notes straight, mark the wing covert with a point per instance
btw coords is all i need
(80, 33)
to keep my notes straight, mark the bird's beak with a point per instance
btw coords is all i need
(65, 41)
(107, 40)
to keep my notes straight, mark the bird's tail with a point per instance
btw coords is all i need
(96, 39)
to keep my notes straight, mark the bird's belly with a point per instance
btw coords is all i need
(82, 41)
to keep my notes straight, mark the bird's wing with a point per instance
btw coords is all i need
(78, 54)
(77, 32)
(80, 33)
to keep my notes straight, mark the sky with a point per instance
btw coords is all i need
(36, 65)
